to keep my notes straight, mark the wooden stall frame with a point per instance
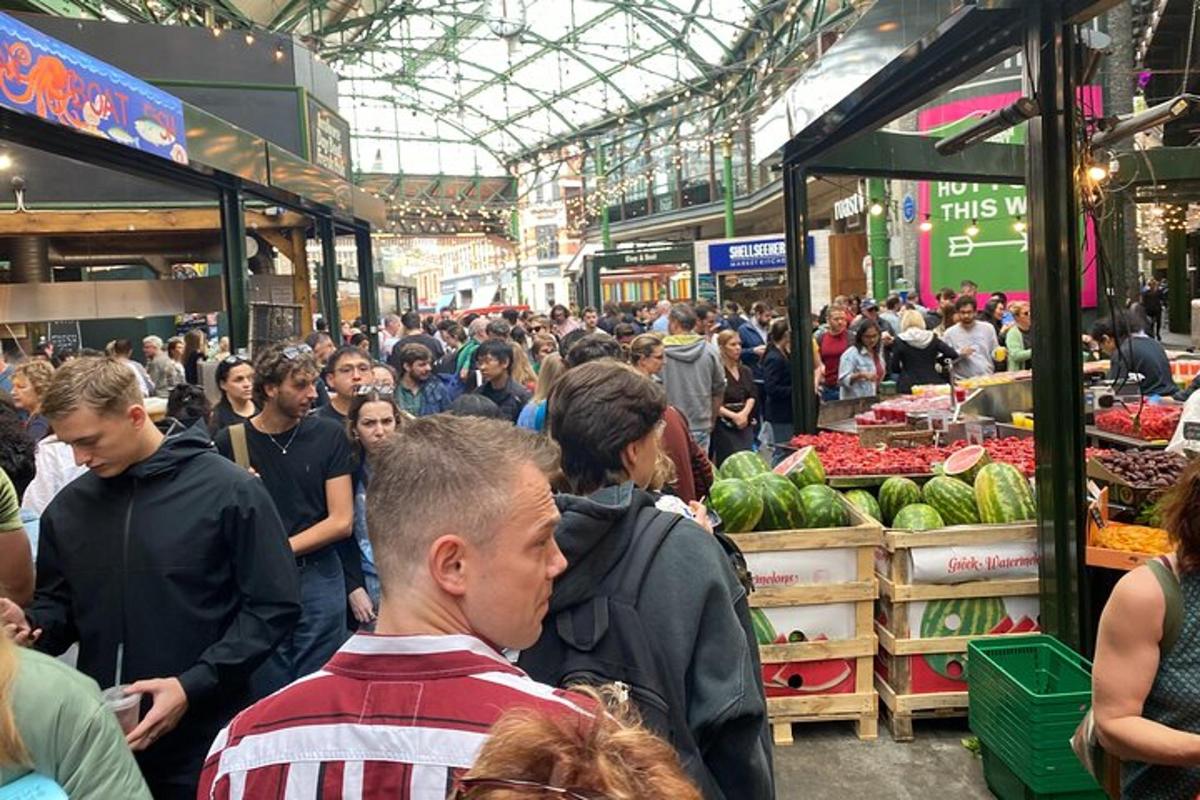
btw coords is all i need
(861, 706)
(903, 707)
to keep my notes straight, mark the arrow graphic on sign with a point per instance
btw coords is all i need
(963, 246)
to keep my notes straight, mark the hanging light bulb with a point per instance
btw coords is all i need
(216, 30)
(973, 229)
(876, 209)
(926, 224)
(1097, 173)
(1019, 226)
(249, 38)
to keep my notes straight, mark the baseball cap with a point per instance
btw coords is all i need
(869, 303)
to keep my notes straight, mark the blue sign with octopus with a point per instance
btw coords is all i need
(42, 76)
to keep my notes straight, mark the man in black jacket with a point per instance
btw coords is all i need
(495, 366)
(167, 563)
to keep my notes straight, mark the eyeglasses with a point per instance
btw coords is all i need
(294, 351)
(467, 786)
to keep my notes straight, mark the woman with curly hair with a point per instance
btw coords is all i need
(31, 381)
(536, 755)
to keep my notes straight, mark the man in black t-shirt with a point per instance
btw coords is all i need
(305, 464)
(413, 334)
(495, 366)
(348, 368)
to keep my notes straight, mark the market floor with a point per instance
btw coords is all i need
(827, 762)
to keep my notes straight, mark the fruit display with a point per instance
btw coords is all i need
(865, 502)
(782, 508)
(995, 379)
(966, 463)
(1148, 421)
(953, 500)
(897, 409)
(918, 517)
(1003, 495)
(823, 507)
(802, 468)
(1133, 538)
(1142, 469)
(895, 494)
(743, 465)
(738, 502)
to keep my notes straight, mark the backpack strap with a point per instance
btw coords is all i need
(1168, 581)
(653, 525)
(237, 439)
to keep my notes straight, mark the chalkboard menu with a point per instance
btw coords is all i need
(328, 139)
(64, 335)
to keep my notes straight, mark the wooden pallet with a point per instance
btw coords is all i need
(897, 645)
(860, 706)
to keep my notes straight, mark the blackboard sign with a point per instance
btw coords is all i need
(328, 139)
(64, 335)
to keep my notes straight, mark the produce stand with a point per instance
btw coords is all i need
(1103, 438)
(790, 569)
(1099, 554)
(911, 684)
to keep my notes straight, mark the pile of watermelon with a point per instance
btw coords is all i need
(751, 497)
(970, 489)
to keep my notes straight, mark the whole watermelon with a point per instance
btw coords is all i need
(865, 502)
(803, 468)
(824, 507)
(744, 464)
(918, 517)
(1003, 495)
(952, 499)
(895, 494)
(782, 509)
(738, 502)
(967, 616)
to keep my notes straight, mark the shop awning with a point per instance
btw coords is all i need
(446, 300)
(484, 294)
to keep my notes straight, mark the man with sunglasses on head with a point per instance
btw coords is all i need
(347, 369)
(305, 464)
(461, 521)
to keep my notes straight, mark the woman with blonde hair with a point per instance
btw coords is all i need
(1018, 339)
(917, 354)
(55, 729)
(30, 382)
(537, 755)
(533, 416)
(522, 371)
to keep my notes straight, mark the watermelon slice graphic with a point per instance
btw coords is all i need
(808, 677)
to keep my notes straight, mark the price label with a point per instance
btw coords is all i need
(939, 421)
(1191, 431)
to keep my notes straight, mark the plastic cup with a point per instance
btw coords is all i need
(1000, 354)
(126, 707)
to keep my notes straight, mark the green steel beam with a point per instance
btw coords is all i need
(1159, 165)
(1179, 298)
(908, 156)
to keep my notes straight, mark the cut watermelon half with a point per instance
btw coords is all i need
(965, 464)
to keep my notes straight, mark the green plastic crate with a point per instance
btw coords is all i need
(1027, 694)
(1007, 785)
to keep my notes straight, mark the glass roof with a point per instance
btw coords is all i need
(462, 86)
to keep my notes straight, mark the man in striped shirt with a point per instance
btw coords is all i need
(462, 523)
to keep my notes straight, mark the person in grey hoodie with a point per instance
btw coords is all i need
(692, 374)
(606, 418)
(916, 353)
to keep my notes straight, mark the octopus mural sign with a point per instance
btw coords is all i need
(40, 75)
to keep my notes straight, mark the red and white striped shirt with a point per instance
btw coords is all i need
(388, 716)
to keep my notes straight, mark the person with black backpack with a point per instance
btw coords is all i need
(650, 601)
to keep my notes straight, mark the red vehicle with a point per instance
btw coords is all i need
(487, 310)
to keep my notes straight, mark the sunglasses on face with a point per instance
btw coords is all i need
(364, 389)
(467, 787)
(235, 360)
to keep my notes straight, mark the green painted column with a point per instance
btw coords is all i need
(1179, 295)
(327, 282)
(368, 293)
(727, 173)
(235, 268)
(601, 184)
(515, 227)
(878, 244)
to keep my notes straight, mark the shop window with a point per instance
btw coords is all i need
(547, 242)
(550, 300)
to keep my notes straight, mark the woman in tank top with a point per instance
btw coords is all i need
(1146, 679)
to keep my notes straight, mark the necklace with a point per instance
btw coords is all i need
(283, 448)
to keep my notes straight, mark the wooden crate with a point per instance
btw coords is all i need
(901, 654)
(861, 704)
